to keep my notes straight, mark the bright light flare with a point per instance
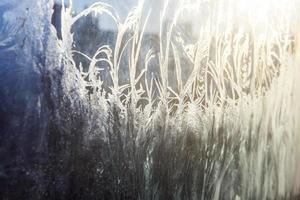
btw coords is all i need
(264, 12)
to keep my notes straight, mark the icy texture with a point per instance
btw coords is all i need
(206, 111)
(36, 100)
(24, 115)
(216, 121)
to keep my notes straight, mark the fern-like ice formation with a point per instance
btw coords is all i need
(210, 112)
(226, 130)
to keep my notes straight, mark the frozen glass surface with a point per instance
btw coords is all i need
(154, 99)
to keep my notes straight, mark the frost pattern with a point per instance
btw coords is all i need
(209, 112)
